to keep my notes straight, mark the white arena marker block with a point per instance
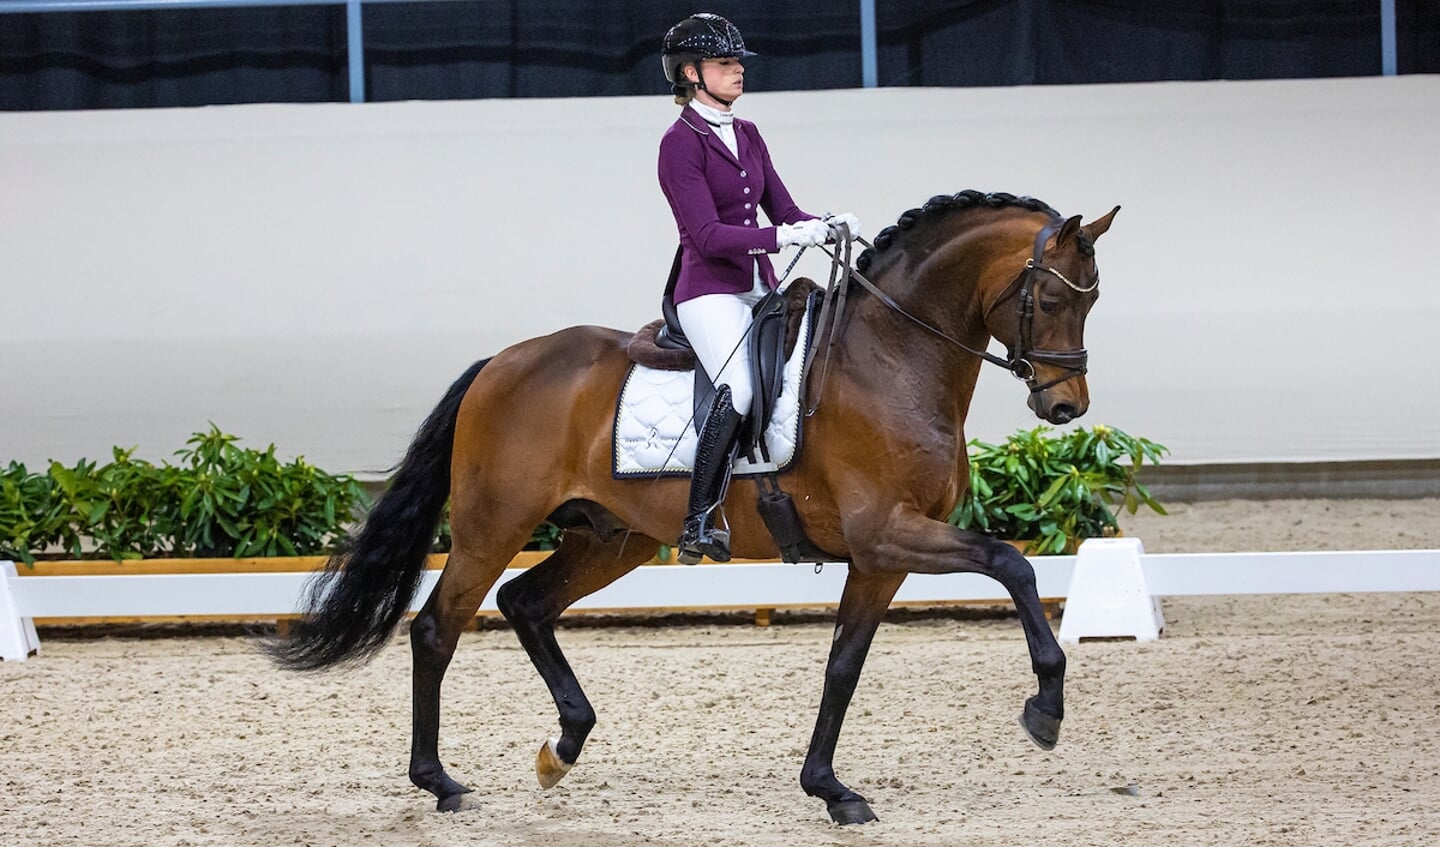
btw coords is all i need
(17, 634)
(1108, 595)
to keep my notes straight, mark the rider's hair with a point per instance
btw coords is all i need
(685, 93)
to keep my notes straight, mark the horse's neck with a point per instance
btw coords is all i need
(944, 282)
(909, 372)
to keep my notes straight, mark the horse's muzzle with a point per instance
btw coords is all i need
(1058, 410)
(1061, 413)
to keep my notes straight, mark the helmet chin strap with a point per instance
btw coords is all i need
(700, 84)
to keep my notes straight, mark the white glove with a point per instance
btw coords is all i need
(847, 219)
(809, 233)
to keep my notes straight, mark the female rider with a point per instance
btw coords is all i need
(717, 176)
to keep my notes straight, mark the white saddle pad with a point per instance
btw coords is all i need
(655, 434)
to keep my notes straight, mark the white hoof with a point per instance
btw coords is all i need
(549, 767)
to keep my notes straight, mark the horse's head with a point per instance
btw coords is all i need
(1023, 275)
(1040, 317)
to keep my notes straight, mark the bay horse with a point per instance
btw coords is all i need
(525, 437)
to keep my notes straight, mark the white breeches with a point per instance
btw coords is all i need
(716, 325)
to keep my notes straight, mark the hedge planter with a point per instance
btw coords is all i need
(226, 509)
(1056, 489)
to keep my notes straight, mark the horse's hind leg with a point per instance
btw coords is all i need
(433, 636)
(533, 601)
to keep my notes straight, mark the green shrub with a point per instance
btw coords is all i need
(241, 502)
(119, 507)
(1054, 490)
(33, 515)
(220, 500)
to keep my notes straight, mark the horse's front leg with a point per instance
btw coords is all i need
(862, 605)
(920, 545)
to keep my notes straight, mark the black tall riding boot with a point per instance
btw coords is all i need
(713, 459)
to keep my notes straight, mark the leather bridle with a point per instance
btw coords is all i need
(1020, 357)
(1024, 354)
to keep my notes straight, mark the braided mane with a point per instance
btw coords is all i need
(942, 204)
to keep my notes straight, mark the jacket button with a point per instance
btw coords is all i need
(747, 221)
(747, 205)
(747, 189)
(743, 174)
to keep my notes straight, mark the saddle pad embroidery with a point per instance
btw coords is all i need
(654, 413)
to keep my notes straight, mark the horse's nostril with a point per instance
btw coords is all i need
(1062, 413)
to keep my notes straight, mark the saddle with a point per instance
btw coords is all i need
(778, 320)
(661, 344)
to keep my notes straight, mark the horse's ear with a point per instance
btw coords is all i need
(1097, 228)
(1067, 231)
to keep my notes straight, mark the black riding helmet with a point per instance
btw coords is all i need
(700, 36)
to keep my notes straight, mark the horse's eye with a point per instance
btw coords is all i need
(1049, 307)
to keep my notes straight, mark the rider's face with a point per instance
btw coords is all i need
(724, 79)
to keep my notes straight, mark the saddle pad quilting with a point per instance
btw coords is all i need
(653, 431)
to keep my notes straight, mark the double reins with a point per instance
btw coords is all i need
(1020, 357)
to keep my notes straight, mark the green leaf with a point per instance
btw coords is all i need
(1054, 490)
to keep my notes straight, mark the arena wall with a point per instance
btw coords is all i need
(315, 275)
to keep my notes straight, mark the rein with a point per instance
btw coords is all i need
(1020, 357)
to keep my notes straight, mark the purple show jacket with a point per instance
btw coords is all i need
(716, 199)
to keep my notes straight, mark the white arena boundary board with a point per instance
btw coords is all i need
(762, 585)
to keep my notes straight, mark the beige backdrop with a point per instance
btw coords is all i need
(315, 275)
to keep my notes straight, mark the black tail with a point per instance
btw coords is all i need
(353, 606)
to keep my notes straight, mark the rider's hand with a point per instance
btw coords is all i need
(845, 218)
(809, 233)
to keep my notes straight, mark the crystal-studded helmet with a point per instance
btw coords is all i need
(700, 36)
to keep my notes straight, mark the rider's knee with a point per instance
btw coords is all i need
(741, 395)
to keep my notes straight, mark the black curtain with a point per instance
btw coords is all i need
(179, 57)
(1023, 42)
(1418, 36)
(533, 48)
(546, 48)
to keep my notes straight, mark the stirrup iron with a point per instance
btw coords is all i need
(702, 540)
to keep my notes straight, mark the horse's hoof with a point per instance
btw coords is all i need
(1041, 728)
(549, 767)
(845, 812)
(456, 802)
